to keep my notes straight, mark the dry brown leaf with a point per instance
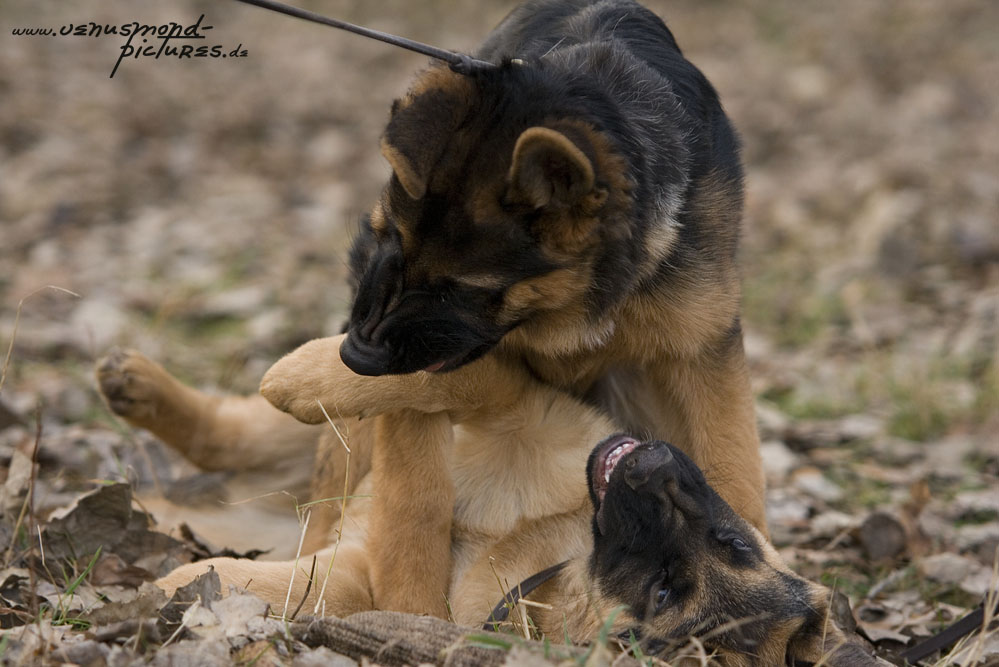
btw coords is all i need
(146, 605)
(111, 570)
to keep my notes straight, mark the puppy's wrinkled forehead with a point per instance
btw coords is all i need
(450, 152)
(437, 141)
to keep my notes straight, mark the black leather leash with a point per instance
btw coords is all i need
(459, 62)
(949, 635)
(502, 610)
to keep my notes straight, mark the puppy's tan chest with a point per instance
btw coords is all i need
(501, 481)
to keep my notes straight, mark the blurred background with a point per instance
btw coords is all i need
(201, 210)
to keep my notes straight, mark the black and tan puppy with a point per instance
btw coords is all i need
(578, 209)
(637, 522)
(668, 548)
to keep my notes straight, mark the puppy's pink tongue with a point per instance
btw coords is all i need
(433, 368)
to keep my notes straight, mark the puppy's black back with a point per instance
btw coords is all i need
(628, 51)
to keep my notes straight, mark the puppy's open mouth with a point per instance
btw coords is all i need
(607, 458)
(433, 368)
(458, 360)
(447, 364)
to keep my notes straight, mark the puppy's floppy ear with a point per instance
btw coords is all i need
(421, 127)
(549, 169)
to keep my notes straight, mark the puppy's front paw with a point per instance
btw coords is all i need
(301, 379)
(297, 399)
(132, 384)
(291, 398)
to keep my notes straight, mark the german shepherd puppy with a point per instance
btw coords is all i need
(578, 208)
(683, 563)
(637, 522)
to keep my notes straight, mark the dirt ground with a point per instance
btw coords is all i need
(199, 210)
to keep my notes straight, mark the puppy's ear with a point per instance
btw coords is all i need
(818, 640)
(421, 126)
(549, 170)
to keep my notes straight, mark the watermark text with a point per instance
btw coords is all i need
(166, 40)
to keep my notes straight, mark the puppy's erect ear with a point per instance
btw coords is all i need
(549, 169)
(421, 126)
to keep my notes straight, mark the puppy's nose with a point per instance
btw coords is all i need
(644, 463)
(362, 358)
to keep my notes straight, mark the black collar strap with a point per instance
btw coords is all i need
(459, 62)
(502, 610)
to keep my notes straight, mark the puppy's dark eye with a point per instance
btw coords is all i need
(739, 544)
(662, 599)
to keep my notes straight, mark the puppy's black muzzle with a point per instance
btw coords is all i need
(365, 359)
(648, 467)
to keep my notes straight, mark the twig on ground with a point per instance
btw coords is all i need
(893, 577)
(27, 507)
(30, 519)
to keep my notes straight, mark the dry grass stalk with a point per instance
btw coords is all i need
(294, 570)
(343, 508)
(17, 321)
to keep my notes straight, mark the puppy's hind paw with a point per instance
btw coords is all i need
(131, 384)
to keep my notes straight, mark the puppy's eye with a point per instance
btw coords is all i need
(739, 544)
(662, 599)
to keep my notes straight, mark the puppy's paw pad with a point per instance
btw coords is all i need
(130, 383)
(288, 394)
(291, 399)
(277, 391)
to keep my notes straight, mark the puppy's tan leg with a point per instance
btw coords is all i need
(213, 432)
(313, 378)
(335, 472)
(348, 590)
(349, 586)
(714, 419)
(409, 540)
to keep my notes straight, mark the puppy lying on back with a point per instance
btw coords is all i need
(637, 523)
(683, 563)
